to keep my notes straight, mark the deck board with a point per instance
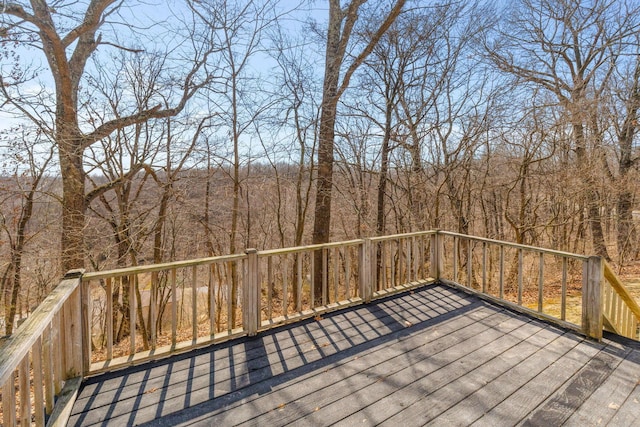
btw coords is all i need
(434, 355)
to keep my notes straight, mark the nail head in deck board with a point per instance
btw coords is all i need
(315, 368)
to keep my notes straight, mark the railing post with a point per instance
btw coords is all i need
(436, 255)
(367, 266)
(592, 279)
(75, 328)
(251, 295)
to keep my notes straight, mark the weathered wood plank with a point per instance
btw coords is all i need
(109, 314)
(432, 355)
(395, 393)
(13, 350)
(25, 392)
(38, 395)
(629, 413)
(331, 386)
(9, 401)
(513, 245)
(469, 397)
(64, 404)
(606, 400)
(423, 398)
(132, 314)
(527, 398)
(314, 349)
(56, 335)
(174, 306)
(48, 363)
(621, 290)
(351, 329)
(592, 279)
(565, 402)
(291, 373)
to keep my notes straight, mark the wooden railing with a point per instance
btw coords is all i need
(41, 365)
(184, 305)
(553, 285)
(621, 313)
(84, 326)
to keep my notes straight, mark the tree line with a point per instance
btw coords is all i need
(208, 127)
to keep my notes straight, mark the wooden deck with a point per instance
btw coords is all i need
(433, 356)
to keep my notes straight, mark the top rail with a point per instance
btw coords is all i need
(121, 272)
(18, 345)
(42, 364)
(517, 245)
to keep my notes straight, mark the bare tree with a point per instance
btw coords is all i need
(627, 92)
(67, 37)
(339, 31)
(18, 206)
(295, 116)
(569, 48)
(238, 29)
(129, 163)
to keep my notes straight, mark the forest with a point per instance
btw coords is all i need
(134, 133)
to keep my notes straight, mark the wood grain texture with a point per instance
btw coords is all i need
(434, 355)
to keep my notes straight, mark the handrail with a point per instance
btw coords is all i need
(46, 353)
(621, 290)
(516, 275)
(151, 268)
(621, 313)
(20, 343)
(517, 245)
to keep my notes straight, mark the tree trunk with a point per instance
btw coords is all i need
(324, 179)
(626, 233)
(73, 201)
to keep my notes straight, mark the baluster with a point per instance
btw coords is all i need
(174, 307)
(9, 402)
(563, 303)
(285, 285)
(25, 392)
(336, 273)
(212, 300)
(520, 276)
(109, 319)
(132, 314)
(38, 396)
(49, 387)
(194, 303)
(501, 273)
(269, 288)
(541, 282)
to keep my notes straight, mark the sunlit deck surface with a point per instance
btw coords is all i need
(432, 356)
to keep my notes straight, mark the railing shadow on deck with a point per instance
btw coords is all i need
(84, 326)
(266, 363)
